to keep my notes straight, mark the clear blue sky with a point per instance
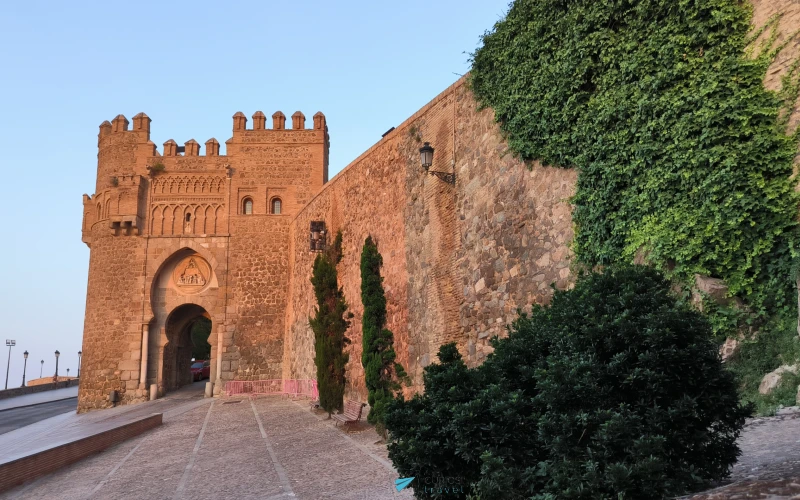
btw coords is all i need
(67, 66)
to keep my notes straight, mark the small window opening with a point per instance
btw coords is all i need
(276, 206)
(188, 217)
(247, 207)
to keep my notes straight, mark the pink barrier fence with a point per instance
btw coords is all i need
(293, 387)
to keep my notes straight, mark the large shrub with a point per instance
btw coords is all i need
(329, 325)
(613, 391)
(381, 372)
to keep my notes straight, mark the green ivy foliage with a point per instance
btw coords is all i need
(681, 152)
(614, 391)
(381, 372)
(329, 325)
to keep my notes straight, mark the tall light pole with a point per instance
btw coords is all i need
(10, 344)
(24, 367)
(56, 375)
(79, 364)
(68, 373)
(41, 368)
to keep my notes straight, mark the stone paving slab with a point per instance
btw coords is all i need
(269, 448)
(769, 467)
(275, 448)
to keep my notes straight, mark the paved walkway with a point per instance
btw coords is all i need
(769, 467)
(267, 448)
(39, 397)
(275, 448)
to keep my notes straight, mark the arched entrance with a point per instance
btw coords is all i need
(180, 345)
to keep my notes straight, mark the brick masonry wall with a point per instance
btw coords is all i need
(458, 260)
(471, 254)
(112, 331)
(259, 276)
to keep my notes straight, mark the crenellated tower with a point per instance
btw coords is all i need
(188, 233)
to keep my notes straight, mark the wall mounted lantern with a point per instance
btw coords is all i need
(318, 236)
(426, 158)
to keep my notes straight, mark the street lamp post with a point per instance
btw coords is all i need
(79, 364)
(67, 373)
(55, 378)
(24, 367)
(10, 344)
(41, 368)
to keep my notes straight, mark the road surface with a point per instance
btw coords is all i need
(27, 415)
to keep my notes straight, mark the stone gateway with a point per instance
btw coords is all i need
(176, 236)
(180, 235)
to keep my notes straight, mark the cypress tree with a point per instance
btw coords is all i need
(378, 355)
(329, 326)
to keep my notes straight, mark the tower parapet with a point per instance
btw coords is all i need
(278, 121)
(119, 124)
(191, 148)
(319, 121)
(171, 148)
(298, 121)
(141, 123)
(259, 121)
(239, 121)
(212, 147)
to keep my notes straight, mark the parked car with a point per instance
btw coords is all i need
(201, 370)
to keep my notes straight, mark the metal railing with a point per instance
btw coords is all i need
(291, 387)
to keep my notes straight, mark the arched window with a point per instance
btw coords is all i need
(276, 206)
(247, 206)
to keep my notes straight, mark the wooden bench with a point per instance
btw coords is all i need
(352, 413)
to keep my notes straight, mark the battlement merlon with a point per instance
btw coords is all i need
(123, 150)
(278, 123)
(117, 131)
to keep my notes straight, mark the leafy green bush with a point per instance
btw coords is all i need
(381, 373)
(615, 390)
(329, 325)
(776, 344)
(681, 151)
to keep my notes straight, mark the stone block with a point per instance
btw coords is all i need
(772, 379)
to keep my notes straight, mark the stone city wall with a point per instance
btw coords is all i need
(46, 384)
(458, 260)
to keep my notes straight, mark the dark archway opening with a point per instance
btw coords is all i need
(187, 328)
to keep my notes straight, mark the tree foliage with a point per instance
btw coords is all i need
(199, 332)
(381, 372)
(614, 391)
(329, 325)
(682, 153)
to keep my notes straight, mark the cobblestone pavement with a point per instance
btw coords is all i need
(267, 448)
(769, 467)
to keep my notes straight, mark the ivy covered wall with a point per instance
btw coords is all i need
(685, 159)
